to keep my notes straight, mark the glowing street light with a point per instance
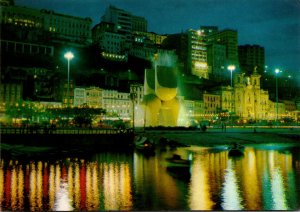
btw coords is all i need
(231, 68)
(276, 75)
(69, 56)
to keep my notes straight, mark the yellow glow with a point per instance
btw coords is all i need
(200, 195)
(231, 68)
(32, 191)
(51, 187)
(251, 182)
(201, 65)
(14, 189)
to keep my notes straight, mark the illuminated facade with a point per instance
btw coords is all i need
(46, 24)
(110, 42)
(117, 103)
(10, 92)
(155, 38)
(197, 54)
(251, 102)
(227, 99)
(212, 103)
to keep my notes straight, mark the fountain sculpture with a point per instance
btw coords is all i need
(161, 106)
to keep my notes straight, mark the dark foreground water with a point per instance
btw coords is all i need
(267, 177)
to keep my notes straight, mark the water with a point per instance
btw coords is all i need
(267, 177)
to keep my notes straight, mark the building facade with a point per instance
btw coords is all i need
(197, 54)
(228, 38)
(35, 25)
(216, 60)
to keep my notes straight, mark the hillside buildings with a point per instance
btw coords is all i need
(204, 54)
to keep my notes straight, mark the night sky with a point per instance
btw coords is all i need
(273, 24)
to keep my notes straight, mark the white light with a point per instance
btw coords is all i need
(69, 55)
(231, 67)
(277, 70)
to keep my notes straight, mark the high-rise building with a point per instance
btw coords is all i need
(216, 60)
(125, 22)
(228, 38)
(251, 56)
(197, 54)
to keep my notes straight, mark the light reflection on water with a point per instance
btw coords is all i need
(265, 178)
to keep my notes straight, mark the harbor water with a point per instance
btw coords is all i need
(266, 177)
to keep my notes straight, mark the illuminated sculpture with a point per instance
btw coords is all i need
(160, 90)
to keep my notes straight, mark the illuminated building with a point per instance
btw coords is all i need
(251, 102)
(197, 54)
(251, 56)
(65, 93)
(79, 97)
(114, 102)
(228, 38)
(93, 97)
(139, 90)
(155, 38)
(11, 92)
(34, 25)
(227, 99)
(117, 103)
(142, 47)
(110, 42)
(212, 103)
(125, 22)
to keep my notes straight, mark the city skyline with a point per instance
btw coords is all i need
(274, 26)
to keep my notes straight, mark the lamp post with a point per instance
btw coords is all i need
(276, 75)
(69, 56)
(231, 68)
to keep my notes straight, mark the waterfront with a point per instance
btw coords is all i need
(266, 178)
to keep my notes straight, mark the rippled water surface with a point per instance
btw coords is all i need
(267, 177)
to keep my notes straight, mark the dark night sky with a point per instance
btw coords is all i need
(273, 24)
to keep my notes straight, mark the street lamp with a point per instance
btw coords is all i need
(276, 73)
(69, 56)
(231, 68)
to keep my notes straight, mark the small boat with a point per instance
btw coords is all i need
(176, 160)
(143, 143)
(236, 150)
(178, 167)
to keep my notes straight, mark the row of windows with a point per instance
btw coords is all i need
(212, 98)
